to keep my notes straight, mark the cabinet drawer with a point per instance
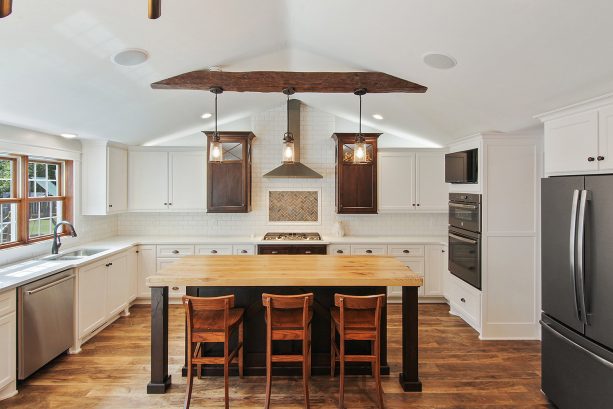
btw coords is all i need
(244, 250)
(365, 250)
(213, 250)
(464, 298)
(176, 291)
(405, 250)
(339, 250)
(174, 251)
(8, 302)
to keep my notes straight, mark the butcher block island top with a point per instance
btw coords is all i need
(286, 270)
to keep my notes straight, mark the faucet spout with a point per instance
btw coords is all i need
(55, 246)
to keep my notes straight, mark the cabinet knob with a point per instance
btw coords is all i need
(274, 252)
(590, 159)
(600, 158)
(213, 251)
(169, 204)
(175, 288)
(339, 251)
(442, 251)
(368, 251)
(244, 252)
(418, 204)
(112, 205)
(175, 252)
(462, 299)
(413, 204)
(165, 204)
(406, 251)
(307, 252)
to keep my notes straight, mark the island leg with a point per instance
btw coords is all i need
(160, 380)
(409, 377)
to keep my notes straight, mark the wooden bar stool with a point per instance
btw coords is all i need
(356, 319)
(288, 318)
(214, 320)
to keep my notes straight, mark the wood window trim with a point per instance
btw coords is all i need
(22, 199)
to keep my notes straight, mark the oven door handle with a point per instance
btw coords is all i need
(463, 206)
(464, 239)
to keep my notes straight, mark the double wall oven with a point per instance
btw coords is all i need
(465, 237)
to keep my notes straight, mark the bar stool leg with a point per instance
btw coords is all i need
(332, 345)
(305, 370)
(377, 369)
(226, 367)
(268, 372)
(190, 378)
(373, 365)
(341, 392)
(241, 337)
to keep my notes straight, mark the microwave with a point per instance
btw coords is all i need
(461, 167)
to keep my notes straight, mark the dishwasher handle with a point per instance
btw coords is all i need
(44, 287)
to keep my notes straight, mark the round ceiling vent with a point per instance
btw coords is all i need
(130, 57)
(440, 61)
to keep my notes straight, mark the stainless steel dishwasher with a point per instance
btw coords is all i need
(45, 321)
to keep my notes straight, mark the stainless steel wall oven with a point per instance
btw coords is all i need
(465, 237)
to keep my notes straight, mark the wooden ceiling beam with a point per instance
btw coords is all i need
(276, 81)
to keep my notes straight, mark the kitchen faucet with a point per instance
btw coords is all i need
(56, 239)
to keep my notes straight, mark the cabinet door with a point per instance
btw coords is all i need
(117, 173)
(8, 347)
(605, 139)
(187, 184)
(396, 181)
(570, 141)
(148, 180)
(175, 290)
(431, 191)
(435, 264)
(118, 284)
(146, 268)
(132, 273)
(92, 296)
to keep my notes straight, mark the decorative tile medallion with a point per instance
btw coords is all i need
(293, 206)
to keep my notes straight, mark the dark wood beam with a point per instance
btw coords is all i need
(276, 81)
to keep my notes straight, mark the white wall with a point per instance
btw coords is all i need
(21, 141)
(317, 151)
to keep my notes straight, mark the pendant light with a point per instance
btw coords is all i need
(359, 149)
(6, 7)
(215, 148)
(288, 137)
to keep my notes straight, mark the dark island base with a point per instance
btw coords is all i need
(250, 298)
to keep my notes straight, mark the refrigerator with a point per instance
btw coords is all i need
(577, 291)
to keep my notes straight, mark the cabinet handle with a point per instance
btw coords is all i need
(169, 204)
(462, 299)
(244, 251)
(213, 251)
(307, 252)
(339, 251)
(108, 264)
(590, 159)
(600, 158)
(175, 288)
(418, 204)
(274, 252)
(368, 251)
(136, 251)
(175, 252)
(165, 204)
(406, 251)
(413, 204)
(112, 205)
(442, 251)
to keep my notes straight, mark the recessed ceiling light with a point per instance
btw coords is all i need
(206, 115)
(130, 57)
(68, 135)
(377, 116)
(440, 61)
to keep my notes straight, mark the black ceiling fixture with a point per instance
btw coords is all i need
(6, 7)
(155, 9)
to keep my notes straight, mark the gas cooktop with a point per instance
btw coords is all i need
(292, 236)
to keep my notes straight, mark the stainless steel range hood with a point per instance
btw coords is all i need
(296, 169)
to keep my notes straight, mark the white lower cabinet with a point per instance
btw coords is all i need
(436, 261)
(118, 285)
(8, 344)
(339, 250)
(464, 300)
(132, 269)
(146, 267)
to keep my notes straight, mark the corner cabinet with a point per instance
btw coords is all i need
(356, 184)
(105, 178)
(229, 182)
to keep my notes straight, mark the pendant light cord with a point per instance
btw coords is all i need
(216, 133)
(287, 113)
(360, 133)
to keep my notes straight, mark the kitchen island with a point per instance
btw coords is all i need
(249, 276)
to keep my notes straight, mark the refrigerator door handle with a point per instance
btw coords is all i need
(580, 255)
(573, 249)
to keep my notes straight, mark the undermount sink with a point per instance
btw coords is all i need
(77, 254)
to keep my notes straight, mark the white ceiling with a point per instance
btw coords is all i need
(516, 58)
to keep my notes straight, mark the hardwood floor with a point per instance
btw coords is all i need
(457, 371)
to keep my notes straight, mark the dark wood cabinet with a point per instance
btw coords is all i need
(292, 249)
(356, 184)
(229, 182)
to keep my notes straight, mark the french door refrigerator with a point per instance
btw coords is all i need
(577, 291)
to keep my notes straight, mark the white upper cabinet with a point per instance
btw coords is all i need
(166, 181)
(105, 178)
(570, 142)
(412, 181)
(431, 190)
(579, 139)
(187, 189)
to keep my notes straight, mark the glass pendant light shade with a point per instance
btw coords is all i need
(215, 147)
(359, 146)
(288, 148)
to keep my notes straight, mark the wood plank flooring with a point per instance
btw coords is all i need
(457, 370)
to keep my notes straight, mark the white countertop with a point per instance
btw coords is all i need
(15, 275)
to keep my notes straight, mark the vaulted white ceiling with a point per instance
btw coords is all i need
(516, 58)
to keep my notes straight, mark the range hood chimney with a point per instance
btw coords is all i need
(295, 169)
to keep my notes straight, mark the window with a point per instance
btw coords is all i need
(34, 195)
